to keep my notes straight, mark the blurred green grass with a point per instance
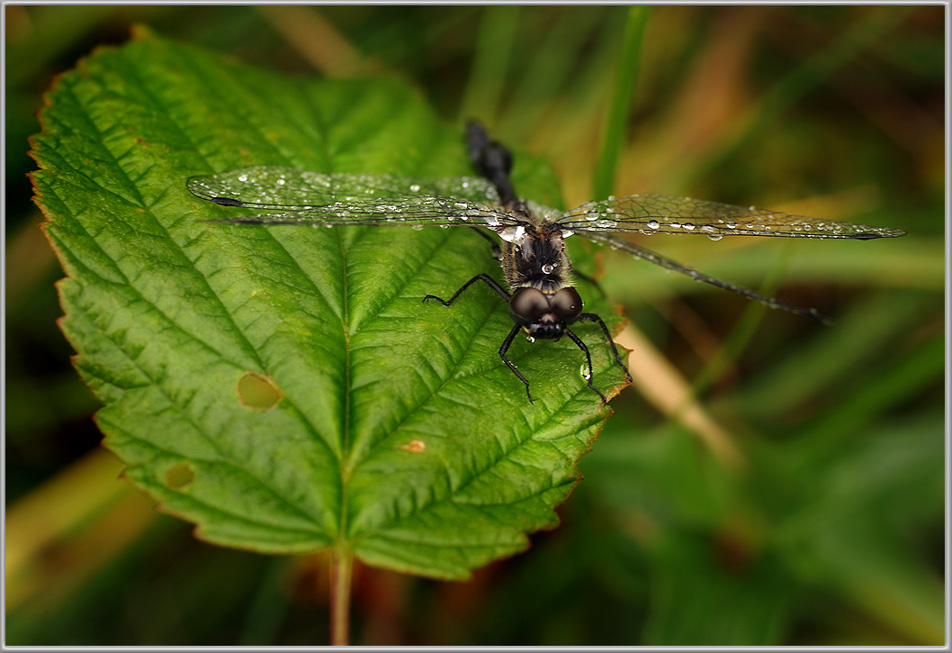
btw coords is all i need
(831, 533)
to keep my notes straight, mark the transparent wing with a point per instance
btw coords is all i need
(639, 252)
(300, 197)
(667, 214)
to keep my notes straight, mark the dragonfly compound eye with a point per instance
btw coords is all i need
(566, 304)
(528, 305)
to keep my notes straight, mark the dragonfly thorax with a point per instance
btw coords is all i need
(537, 260)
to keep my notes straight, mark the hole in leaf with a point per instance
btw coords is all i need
(414, 446)
(179, 476)
(258, 391)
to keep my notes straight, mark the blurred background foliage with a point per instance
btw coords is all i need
(769, 480)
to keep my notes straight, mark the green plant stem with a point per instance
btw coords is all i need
(342, 567)
(618, 109)
(494, 47)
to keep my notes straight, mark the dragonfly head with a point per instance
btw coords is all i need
(545, 315)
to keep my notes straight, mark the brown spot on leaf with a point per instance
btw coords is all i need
(179, 476)
(258, 391)
(414, 446)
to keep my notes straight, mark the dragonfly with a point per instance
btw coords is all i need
(543, 302)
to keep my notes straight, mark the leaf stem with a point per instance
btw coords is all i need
(342, 566)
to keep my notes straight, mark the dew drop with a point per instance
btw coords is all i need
(654, 224)
(512, 234)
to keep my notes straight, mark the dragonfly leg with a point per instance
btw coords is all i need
(588, 359)
(591, 317)
(502, 354)
(512, 334)
(483, 277)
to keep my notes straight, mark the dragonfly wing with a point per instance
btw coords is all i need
(276, 187)
(639, 252)
(668, 214)
(300, 197)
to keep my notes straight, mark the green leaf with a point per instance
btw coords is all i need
(286, 389)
